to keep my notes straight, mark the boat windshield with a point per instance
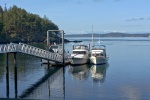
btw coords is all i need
(81, 47)
(97, 54)
(79, 52)
(98, 47)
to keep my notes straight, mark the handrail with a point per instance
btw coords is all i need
(31, 50)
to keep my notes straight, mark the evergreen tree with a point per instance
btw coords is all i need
(19, 25)
(5, 8)
(1, 13)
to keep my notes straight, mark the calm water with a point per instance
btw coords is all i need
(125, 77)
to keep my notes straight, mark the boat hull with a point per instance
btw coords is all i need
(98, 60)
(79, 61)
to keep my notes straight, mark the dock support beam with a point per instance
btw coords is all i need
(63, 62)
(48, 65)
(48, 43)
(89, 46)
(72, 47)
(7, 76)
(64, 82)
(63, 46)
(15, 74)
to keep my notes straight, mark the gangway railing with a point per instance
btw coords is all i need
(31, 50)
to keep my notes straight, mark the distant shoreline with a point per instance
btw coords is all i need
(113, 34)
(65, 41)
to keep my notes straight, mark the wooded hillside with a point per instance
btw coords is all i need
(18, 25)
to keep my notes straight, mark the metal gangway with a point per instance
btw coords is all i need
(31, 50)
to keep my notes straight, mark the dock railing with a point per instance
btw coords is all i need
(31, 50)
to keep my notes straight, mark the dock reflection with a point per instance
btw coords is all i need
(98, 72)
(50, 82)
(15, 77)
(80, 72)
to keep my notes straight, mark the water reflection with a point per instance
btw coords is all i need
(52, 81)
(2, 64)
(80, 72)
(98, 72)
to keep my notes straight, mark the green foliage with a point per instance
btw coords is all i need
(1, 13)
(17, 25)
(1, 26)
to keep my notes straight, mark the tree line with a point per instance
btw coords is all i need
(18, 25)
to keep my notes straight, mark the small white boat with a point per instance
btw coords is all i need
(98, 55)
(57, 49)
(80, 55)
(98, 52)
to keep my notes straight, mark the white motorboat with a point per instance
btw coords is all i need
(80, 55)
(98, 55)
(57, 49)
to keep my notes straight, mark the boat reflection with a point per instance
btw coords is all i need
(99, 72)
(80, 72)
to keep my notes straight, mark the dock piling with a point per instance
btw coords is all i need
(15, 74)
(63, 46)
(7, 76)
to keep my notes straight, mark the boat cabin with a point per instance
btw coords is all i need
(98, 51)
(81, 47)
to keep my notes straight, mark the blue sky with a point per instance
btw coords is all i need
(78, 16)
